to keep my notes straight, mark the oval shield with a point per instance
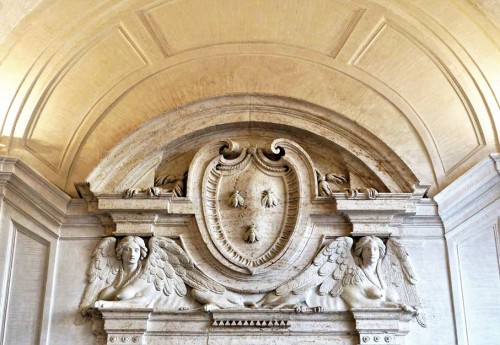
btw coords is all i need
(251, 207)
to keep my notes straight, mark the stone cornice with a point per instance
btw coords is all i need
(27, 191)
(470, 193)
(381, 215)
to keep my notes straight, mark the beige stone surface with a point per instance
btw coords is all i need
(12, 12)
(46, 218)
(78, 77)
(118, 93)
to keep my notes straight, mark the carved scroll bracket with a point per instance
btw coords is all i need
(382, 325)
(381, 216)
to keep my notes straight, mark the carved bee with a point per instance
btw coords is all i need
(268, 199)
(251, 235)
(236, 199)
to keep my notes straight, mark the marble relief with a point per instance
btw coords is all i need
(377, 276)
(130, 274)
(253, 207)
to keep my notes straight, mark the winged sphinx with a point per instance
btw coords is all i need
(125, 275)
(378, 275)
(128, 273)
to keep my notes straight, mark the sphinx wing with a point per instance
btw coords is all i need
(170, 268)
(102, 271)
(399, 276)
(331, 270)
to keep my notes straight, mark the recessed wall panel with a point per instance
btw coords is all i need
(27, 290)
(479, 270)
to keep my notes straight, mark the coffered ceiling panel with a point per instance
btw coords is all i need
(322, 26)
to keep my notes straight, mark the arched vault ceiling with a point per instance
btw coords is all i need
(78, 77)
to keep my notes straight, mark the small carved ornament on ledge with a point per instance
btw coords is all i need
(174, 185)
(324, 188)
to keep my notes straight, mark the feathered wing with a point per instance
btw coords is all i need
(101, 274)
(332, 269)
(169, 268)
(399, 275)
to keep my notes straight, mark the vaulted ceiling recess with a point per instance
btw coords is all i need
(407, 90)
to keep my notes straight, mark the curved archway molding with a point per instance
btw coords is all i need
(247, 115)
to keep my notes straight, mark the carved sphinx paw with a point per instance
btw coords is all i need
(317, 309)
(154, 191)
(210, 307)
(102, 304)
(300, 309)
(407, 308)
(250, 304)
(130, 193)
(184, 308)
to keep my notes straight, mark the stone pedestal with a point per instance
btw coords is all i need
(141, 326)
(382, 325)
(250, 327)
(125, 327)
